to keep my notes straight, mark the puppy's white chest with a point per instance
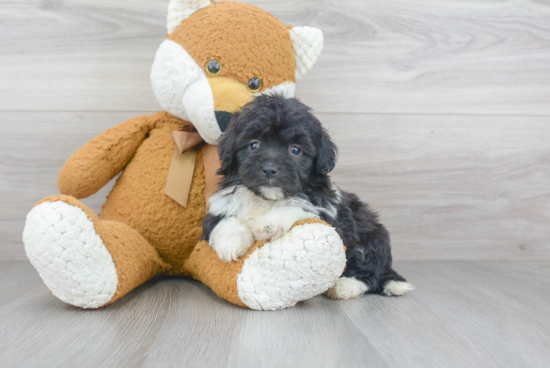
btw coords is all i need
(254, 208)
(251, 215)
(240, 203)
(254, 212)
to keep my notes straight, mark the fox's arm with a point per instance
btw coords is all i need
(102, 158)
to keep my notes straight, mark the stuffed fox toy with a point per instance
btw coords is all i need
(216, 58)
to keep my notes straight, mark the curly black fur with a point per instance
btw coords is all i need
(277, 124)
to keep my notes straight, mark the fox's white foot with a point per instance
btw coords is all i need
(304, 262)
(231, 239)
(63, 246)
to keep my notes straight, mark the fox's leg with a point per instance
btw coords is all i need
(277, 274)
(85, 261)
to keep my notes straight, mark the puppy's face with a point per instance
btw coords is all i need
(276, 148)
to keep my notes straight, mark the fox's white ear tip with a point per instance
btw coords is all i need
(308, 44)
(178, 10)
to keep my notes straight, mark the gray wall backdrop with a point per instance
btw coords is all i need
(441, 109)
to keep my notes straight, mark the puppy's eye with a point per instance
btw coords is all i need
(213, 67)
(254, 146)
(255, 84)
(295, 150)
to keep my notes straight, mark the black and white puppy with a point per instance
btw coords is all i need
(275, 159)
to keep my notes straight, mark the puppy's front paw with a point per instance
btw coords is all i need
(268, 227)
(231, 240)
(347, 288)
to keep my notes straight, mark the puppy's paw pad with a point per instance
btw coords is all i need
(347, 288)
(234, 246)
(397, 288)
(267, 228)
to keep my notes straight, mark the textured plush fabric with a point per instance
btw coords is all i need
(229, 95)
(70, 257)
(135, 259)
(308, 44)
(138, 198)
(138, 210)
(143, 230)
(222, 29)
(221, 277)
(178, 10)
(297, 266)
(101, 159)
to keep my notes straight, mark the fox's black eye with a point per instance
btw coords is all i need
(255, 84)
(254, 146)
(295, 150)
(213, 67)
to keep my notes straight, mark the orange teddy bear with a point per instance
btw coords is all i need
(216, 58)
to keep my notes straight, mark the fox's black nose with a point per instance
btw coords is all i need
(270, 171)
(223, 118)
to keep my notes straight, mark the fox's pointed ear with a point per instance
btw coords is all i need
(178, 10)
(308, 44)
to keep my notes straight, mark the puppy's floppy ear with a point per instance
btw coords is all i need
(227, 146)
(326, 154)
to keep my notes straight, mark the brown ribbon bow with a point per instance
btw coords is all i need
(182, 167)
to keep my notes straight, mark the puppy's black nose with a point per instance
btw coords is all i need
(270, 170)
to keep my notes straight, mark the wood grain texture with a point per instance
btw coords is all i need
(462, 315)
(31, 158)
(447, 187)
(482, 314)
(440, 109)
(451, 187)
(424, 56)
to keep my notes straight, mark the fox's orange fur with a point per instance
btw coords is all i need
(242, 51)
(145, 231)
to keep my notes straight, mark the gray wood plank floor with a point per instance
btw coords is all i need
(462, 314)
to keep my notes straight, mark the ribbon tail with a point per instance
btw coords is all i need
(180, 176)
